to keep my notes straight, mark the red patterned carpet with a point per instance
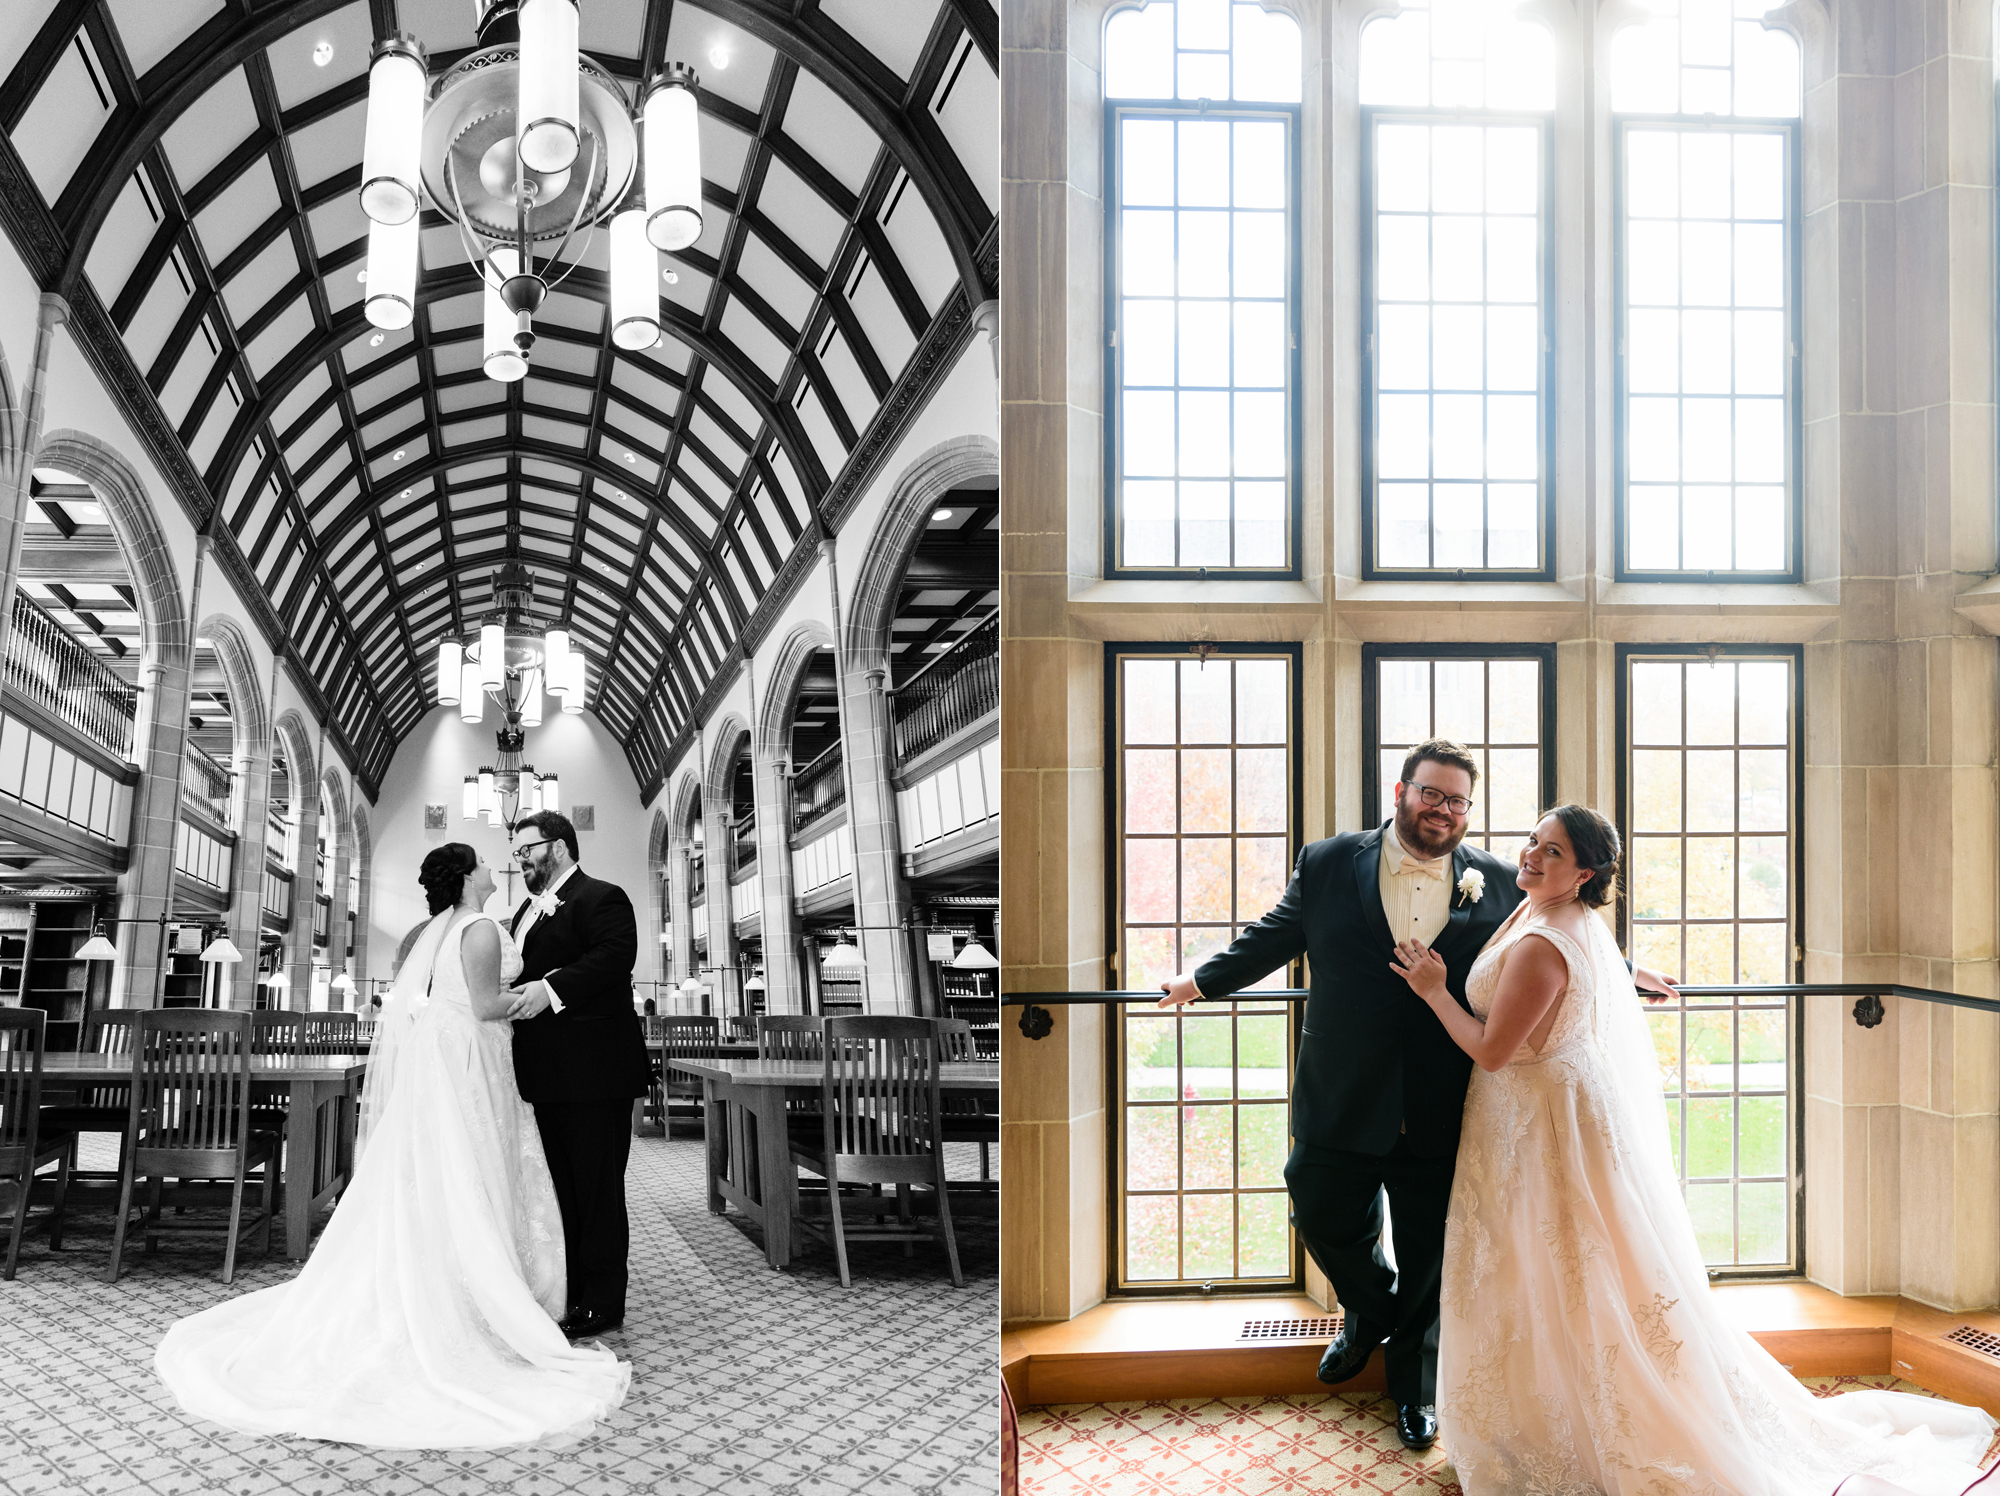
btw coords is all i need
(1249, 1447)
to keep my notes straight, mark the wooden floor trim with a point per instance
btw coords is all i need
(1139, 1351)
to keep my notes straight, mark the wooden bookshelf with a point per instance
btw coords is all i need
(181, 983)
(17, 929)
(54, 980)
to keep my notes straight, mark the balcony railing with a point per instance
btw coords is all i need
(48, 666)
(957, 689)
(205, 784)
(818, 790)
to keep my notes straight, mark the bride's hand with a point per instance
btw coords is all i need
(1422, 967)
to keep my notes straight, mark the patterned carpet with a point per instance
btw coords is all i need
(1250, 1447)
(745, 1380)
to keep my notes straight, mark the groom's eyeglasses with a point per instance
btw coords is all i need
(530, 846)
(1458, 805)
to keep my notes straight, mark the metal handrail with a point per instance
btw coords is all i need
(808, 780)
(954, 691)
(206, 783)
(1868, 1012)
(50, 667)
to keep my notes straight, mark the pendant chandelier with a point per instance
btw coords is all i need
(520, 144)
(517, 658)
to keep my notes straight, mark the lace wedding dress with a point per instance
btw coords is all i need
(1581, 1351)
(426, 1316)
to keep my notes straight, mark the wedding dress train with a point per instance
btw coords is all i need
(426, 1316)
(1581, 1349)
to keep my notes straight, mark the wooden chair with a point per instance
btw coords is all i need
(879, 1093)
(649, 1111)
(190, 1119)
(275, 1034)
(99, 1108)
(329, 1033)
(794, 1036)
(683, 1038)
(967, 1119)
(25, 1145)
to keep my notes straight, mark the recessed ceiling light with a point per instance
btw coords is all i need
(322, 52)
(718, 57)
(399, 455)
(670, 278)
(406, 493)
(630, 458)
(362, 275)
(376, 341)
(941, 514)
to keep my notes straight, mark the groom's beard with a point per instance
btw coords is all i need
(1421, 841)
(534, 876)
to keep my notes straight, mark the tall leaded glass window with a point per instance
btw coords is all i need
(1205, 774)
(1706, 152)
(1202, 250)
(1709, 779)
(1455, 97)
(1496, 699)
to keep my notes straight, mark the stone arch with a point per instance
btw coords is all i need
(11, 420)
(163, 608)
(291, 733)
(683, 801)
(251, 738)
(871, 602)
(334, 788)
(774, 723)
(727, 736)
(657, 865)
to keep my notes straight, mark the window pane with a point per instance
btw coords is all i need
(1708, 349)
(1458, 318)
(1202, 287)
(1710, 832)
(1493, 706)
(1203, 752)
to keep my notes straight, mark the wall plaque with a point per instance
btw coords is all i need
(433, 818)
(583, 817)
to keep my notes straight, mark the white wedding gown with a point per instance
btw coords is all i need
(1581, 1350)
(426, 1316)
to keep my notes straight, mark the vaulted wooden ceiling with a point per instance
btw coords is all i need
(185, 172)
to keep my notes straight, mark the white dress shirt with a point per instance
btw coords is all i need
(528, 923)
(1416, 895)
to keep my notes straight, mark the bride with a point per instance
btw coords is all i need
(426, 1316)
(1581, 1350)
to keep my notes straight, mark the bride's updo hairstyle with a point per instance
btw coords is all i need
(444, 873)
(1594, 840)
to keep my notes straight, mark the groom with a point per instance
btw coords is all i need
(1380, 1085)
(579, 1056)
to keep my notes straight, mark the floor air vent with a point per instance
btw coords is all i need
(1976, 1340)
(1291, 1329)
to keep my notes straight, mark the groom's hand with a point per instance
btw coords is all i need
(1180, 991)
(528, 1000)
(1656, 985)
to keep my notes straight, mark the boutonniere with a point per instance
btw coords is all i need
(547, 903)
(1472, 885)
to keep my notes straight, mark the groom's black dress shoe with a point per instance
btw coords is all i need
(585, 1323)
(1417, 1425)
(1347, 1355)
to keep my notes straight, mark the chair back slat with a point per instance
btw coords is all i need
(954, 1039)
(107, 1031)
(191, 1078)
(881, 1085)
(791, 1036)
(22, 1033)
(654, 1026)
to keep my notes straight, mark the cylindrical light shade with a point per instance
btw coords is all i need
(531, 699)
(493, 654)
(392, 274)
(635, 283)
(493, 816)
(555, 661)
(472, 797)
(451, 670)
(531, 792)
(671, 135)
(551, 797)
(392, 144)
(548, 84)
(471, 693)
(489, 795)
(504, 361)
(576, 681)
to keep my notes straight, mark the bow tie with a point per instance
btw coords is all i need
(1411, 868)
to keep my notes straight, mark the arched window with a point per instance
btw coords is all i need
(1706, 103)
(1455, 100)
(1202, 257)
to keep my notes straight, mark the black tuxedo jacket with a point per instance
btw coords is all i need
(1373, 1060)
(594, 1049)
